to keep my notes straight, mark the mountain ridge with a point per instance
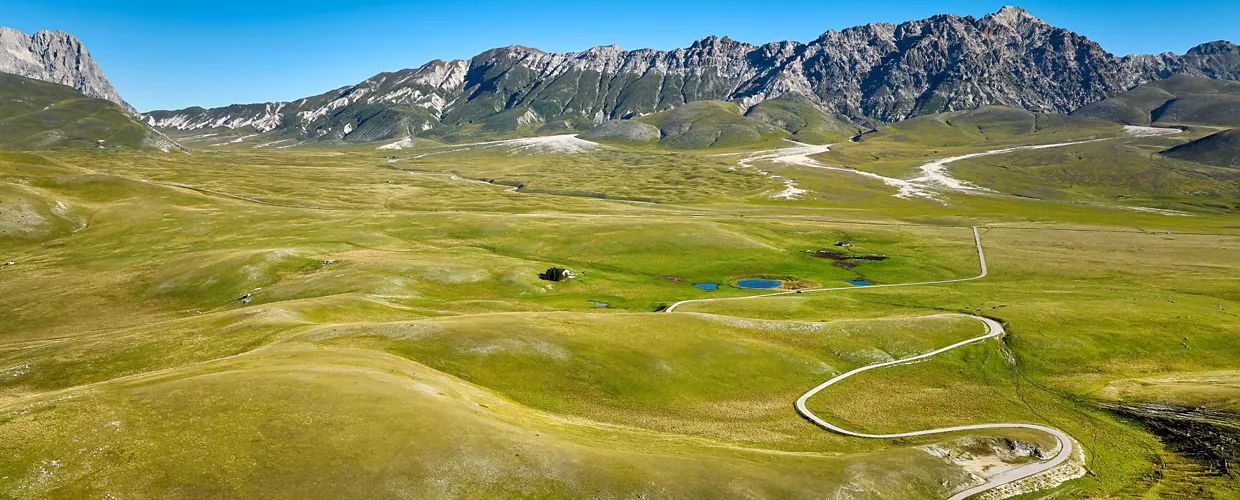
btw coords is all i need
(873, 73)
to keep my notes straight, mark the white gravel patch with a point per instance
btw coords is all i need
(547, 144)
(1162, 211)
(1139, 131)
(554, 144)
(405, 143)
(790, 192)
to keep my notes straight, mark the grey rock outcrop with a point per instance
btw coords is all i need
(56, 57)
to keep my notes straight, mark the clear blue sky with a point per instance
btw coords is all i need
(174, 54)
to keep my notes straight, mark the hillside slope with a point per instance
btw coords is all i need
(697, 125)
(1181, 99)
(1220, 149)
(37, 115)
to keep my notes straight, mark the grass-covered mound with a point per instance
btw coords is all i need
(718, 124)
(989, 125)
(804, 120)
(623, 131)
(697, 125)
(37, 115)
(1181, 99)
(1221, 149)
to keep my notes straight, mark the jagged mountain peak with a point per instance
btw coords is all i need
(57, 57)
(1013, 16)
(1217, 59)
(605, 49)
(1215, 47)
(712, 41)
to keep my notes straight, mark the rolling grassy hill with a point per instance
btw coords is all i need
(696, 125)
(1179, 100)
(1221, 149)
(718, 124)
(804, 120)
(37, 115)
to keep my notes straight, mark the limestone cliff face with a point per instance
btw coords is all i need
(876, 72)
(56, 57)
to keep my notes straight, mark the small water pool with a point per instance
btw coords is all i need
(759, 283)
(858, 282)
(599, 304)
(706, 286)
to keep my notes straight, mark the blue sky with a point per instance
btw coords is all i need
(163, 55)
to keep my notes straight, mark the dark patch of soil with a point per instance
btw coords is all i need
(843, 264)
(677, 279)
(1208, 436)
(839, 256)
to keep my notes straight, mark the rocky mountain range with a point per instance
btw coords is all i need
(56, 57)
(871, 73)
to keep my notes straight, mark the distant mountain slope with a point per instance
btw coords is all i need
(873, 73)
(37, 115)
(697, 125)
(1181, 99)
(1221, 149)
(720, 124)
(58, 58)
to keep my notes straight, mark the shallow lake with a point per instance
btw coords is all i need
(759, 283)
(706, 286)
(858, 282)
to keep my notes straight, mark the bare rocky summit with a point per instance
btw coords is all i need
(872, 73)
(56, 57)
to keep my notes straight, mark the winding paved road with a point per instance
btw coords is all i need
(993, 330)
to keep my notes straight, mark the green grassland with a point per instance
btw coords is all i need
(696, 125)
(897, 149)
(316, 323)
(722, 125)
(1122, 172)
(39, 115)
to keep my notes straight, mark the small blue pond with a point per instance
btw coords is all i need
(599, 304)
(706, 286)
(759, 283)
(858, 282)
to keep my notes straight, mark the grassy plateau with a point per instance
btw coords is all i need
(237, 322)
